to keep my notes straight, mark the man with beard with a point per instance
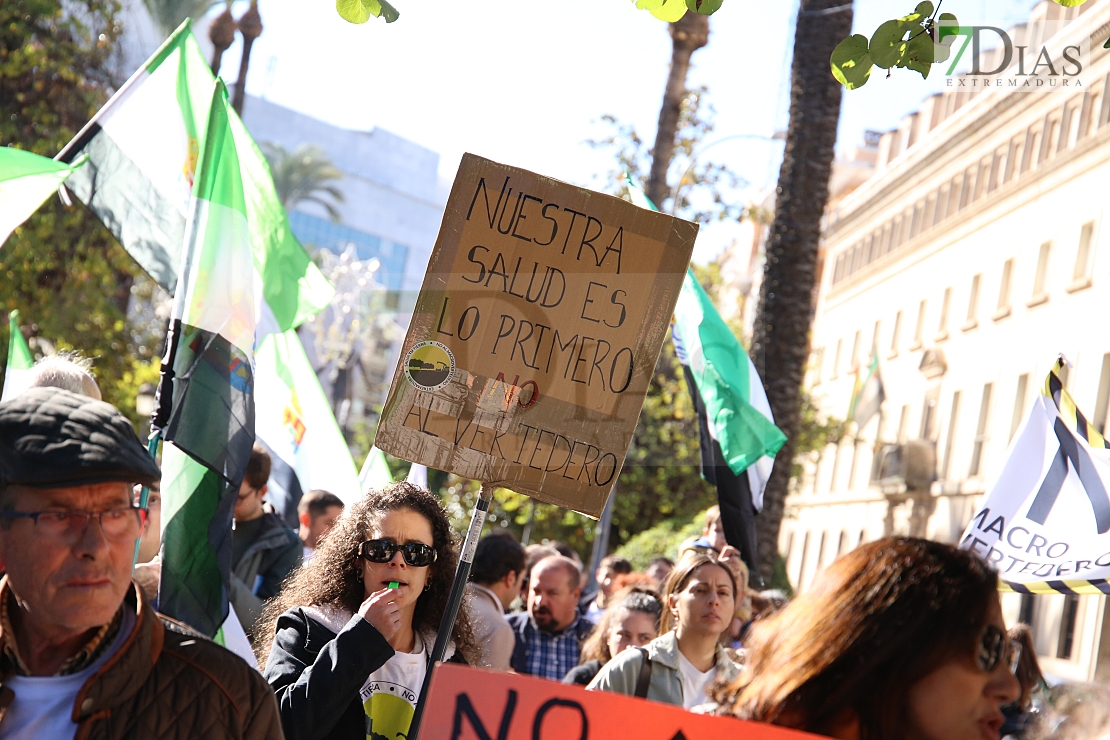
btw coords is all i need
(549, 635)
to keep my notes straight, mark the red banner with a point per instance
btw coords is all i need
(473, 704)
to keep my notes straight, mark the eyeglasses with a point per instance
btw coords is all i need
(993, 646)
(416, 554)
(116, 524)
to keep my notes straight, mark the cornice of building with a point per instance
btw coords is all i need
(950, 141)
(1092, 151)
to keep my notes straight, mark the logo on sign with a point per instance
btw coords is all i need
(429, 366)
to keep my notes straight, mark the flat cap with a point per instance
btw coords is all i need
(51, 438)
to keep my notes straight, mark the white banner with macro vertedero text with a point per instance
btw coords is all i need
(1045, 525)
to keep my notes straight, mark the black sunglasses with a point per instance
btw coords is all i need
(994, 644)
(416, 554)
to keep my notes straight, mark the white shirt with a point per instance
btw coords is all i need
(693, 682)
(389, 696)
(309, 553)
(43, 705)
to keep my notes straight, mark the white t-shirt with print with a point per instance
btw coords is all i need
(693, 682)
(389, 696)
(43, 705)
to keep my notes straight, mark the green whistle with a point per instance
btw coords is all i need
(394, 584)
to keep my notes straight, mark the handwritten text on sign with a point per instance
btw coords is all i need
(472, 704)
(535, 335)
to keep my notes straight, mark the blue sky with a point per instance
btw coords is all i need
(525, 81)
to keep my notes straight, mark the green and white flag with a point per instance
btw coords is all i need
(293, 419)
(20, 361)
(142, 149)
(868, 394)
(737, 411)
(26, 181)
(211, 355)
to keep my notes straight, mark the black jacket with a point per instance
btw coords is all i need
(521, 622)
(581, 675)
(317, 674)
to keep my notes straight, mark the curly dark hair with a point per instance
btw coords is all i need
(331, 578)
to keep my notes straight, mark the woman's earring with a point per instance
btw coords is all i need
(427, 587)
(358, 575)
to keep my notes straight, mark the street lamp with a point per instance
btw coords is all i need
(777, 136)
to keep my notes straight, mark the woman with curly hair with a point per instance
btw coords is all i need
(351, 632)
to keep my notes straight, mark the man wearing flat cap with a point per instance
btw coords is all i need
(82, 654)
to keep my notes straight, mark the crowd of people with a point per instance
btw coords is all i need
(901, 638)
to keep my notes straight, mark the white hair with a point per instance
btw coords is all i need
(67, 370)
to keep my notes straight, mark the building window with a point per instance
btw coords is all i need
(1013, 162)
(1103, 398)
(951, 434)
(942, 327)
(805, 556)
(854, 359)
(929, 415)
(942, 204)
(1033, 148)
(1094, 110)
(1041, 277)
(982, 178)
(998, 167)
(875, 339)
(821, 550)
(919, 331)
(841, 542)
(818, 363)
(1004, 290)
(968, 187)
(973, 304)
(1081, 276)
(954, 195)
(930, 216)
(1019, 404)
(1052, 138)
(836, 360)
(903, 423)
(981, 431)
(1072, 114)
(894, 335)
(1067, 627)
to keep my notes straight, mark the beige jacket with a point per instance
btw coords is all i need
(168, 682)
(493, 634)
(621, 673)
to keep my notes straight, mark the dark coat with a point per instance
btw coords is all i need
(581, 675)
(522, 621)
(317, 675)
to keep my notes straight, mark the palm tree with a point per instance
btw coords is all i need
(688, 34)
(250, 25)
(780, 344)
(168, 14)
(304, 175)
(222, 35)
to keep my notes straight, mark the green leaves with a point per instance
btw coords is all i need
(667, 10)
(916, 41)
(851, 62)
(704, 7)
(359, 11)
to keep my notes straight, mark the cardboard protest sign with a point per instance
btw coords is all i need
(474, 704)
(1045, 525)
(535, 335)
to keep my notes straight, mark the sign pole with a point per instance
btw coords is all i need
(454, 601)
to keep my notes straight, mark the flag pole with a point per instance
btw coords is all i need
(454, 601)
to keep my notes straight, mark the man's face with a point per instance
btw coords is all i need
(715, 533)
(552, 601)
(249, 504)
(319, 526)
(75, 579)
